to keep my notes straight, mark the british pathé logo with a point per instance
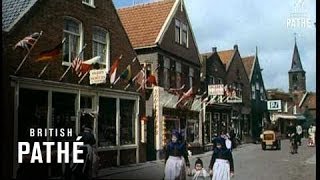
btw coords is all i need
(299, 17)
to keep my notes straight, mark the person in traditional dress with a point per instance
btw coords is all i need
(199, 173)
(299, 133)
(221, 164)
(176, 159)
(312, 134)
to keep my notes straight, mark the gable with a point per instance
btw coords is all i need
(226, 57)
(143, 23)
(248, 63)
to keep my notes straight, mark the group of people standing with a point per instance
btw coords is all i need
(295, 133)
(177, 164)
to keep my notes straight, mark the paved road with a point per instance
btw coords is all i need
(251, 163)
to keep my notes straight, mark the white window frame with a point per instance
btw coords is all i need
(65, 63)
(184, 29)
(89, 3)
(106, 43)
(191, 75)
(253, 91)
(177, 25)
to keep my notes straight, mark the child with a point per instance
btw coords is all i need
(199, 172)
(221, 164)
(176, 158)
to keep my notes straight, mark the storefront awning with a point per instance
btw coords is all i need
(288, 116)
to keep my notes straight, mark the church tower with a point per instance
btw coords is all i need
(297, 76)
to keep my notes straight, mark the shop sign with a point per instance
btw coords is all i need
(215, 89)
(98, 76)
(274, 105)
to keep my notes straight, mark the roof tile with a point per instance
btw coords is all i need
(226, 56)
(144, 22)
(248, 64)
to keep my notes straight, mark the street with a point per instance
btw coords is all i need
(251, 163)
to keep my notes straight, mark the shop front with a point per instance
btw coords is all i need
(112, 114)
(167, 116)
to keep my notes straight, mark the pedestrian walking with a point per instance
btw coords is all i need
(199, 173)
(299, 134)
(176, 159)
(312, 134)
(221, 164)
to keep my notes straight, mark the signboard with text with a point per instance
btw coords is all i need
(274, 105)
(216, 90)
(98, 76)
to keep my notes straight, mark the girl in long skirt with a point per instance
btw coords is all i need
(221, 164)
(176, 158)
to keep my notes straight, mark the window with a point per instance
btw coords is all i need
(191, 76)
(253, 92)
(100, 45)
(262, 95)
(219, 81)
(88, 2)
(177, 31)
(286, 107)
(127, 122)
(173, 82)
(294, 77)
(184, 35)
(178, 74)
(211, 80)
(257, 86)
(107, 122)
(239, 90)
(166, 67)
(73, 43)
(193, 131)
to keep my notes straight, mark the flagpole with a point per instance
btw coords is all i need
(25, 57)
(70, 65)
(83, 77)
(134, 78)
(146, 77)
(134, 59)
(45, 68)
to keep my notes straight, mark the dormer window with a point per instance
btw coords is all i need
(88, 2)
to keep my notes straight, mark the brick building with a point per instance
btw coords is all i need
(47, 101)
(162, 36)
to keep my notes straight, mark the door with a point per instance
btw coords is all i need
(151, 150)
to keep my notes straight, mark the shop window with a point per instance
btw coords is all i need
(127, 122)
(193, 131)
(85, 102)
(100, 42)
(170, 125)
(107, 122)
(72, 33)
(32, 113)
(225, 122)
(63, 111)
(207, 133)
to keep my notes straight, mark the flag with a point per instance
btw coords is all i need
(113, 70)
(81, 67)
(185, 96)
(126, 74)
(176, 91)
(140, 79)
(151, 80)
(28, 41)
(49, 55)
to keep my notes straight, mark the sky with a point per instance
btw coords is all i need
(265, 24)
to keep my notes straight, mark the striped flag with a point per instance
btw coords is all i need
(126, 74)
(28, 41)
(81, 67)
(49, 55)
(113, 70)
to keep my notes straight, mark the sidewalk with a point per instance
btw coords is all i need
(160, 163)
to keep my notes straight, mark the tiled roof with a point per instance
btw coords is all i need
(310, 101)
(144, 22)
(226, 56)
(248, 64)
(13, 10)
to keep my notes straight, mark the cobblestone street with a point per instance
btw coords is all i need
(251, 163)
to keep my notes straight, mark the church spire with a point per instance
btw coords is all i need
(296, 65)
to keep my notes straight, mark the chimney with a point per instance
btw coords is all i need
(214, 49)
(235, 47)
